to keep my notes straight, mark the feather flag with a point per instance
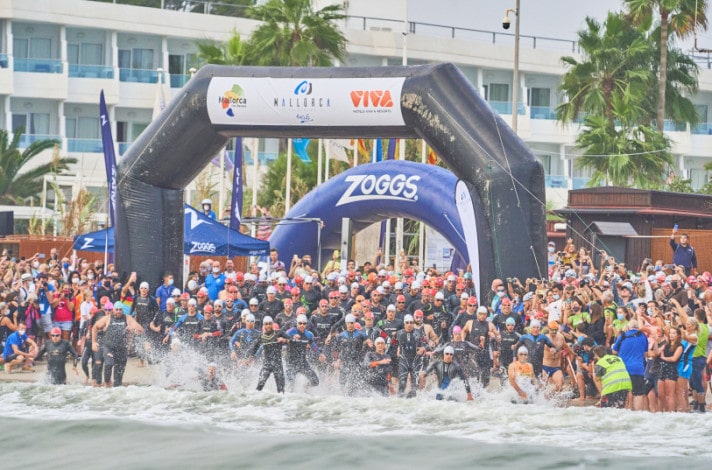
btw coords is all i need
(337, 149)
(432, 156)
(300, 147)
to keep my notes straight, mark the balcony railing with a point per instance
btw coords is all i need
(138, 75)
(123, 147)
(27, 139)
(542, 112)
(555, 181)
(85, 145)
(4, 61)
(91, 71)
(177, 81)
(579, 182)
(702, 128)
(671, 126)
(38, 65)
(505, 107)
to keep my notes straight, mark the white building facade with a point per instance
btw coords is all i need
(56, 56)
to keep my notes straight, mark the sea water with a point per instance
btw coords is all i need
(163, 427)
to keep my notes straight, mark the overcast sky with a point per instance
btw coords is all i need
(551, 18)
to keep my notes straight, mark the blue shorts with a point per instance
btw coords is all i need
(698, 367)
(550, 371)
(64, 325)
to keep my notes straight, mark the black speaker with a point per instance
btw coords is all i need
(7, 223)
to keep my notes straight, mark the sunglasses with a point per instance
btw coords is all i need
(301, 323)
(400, 302)
(408, 322)
(55, 336)
(522, 354)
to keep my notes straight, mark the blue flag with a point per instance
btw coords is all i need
(391, 149)
(109, 156)
(236, 202)
(300, 146)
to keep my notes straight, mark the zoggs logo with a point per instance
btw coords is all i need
(379, 188)
(204, 247)
(371, 99)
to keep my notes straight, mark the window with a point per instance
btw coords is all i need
(32, 48)
(702, 112)
(83, 128)
(139, 59)
(497, 92)
(546, 163)
(85, 54)
(539, 97)
(33, 123)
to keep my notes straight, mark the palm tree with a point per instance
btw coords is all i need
(614, 54)
(293, 34)
(17, 186)
(231, 52)
(624, 156)
(679, 17)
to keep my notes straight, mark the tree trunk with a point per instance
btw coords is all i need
(662, 72)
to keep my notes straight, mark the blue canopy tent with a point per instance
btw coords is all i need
(202, 236)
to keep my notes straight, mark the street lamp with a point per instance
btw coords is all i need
(515, 86)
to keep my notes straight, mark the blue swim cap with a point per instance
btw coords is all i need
(118, 304)
(510, 321)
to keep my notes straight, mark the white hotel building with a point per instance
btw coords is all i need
(56, 56)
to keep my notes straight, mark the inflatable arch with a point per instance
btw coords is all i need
(434, 102)
(370, 193)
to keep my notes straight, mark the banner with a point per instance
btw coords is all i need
(391, 149)
(264, 101)
(236, 201)
(109, 156)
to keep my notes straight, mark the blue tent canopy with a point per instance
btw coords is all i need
(202, 236)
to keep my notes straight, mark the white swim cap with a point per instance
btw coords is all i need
(449, 350)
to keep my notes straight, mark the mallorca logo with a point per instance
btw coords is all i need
(302, 99)
(233, 98)
(372, 101)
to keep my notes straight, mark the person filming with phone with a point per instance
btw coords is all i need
(683, 253)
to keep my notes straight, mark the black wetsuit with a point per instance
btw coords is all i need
(409, 361)
(97, 372)
(115, 349)
(479, 330)
(506, 353)
(57, 360)
(446, 373)
(349, 344)
(377, 375)
(297, 362)
(271, 358)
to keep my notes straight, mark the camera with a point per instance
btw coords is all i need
(506, 22)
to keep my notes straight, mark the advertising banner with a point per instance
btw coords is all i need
(345, 102)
